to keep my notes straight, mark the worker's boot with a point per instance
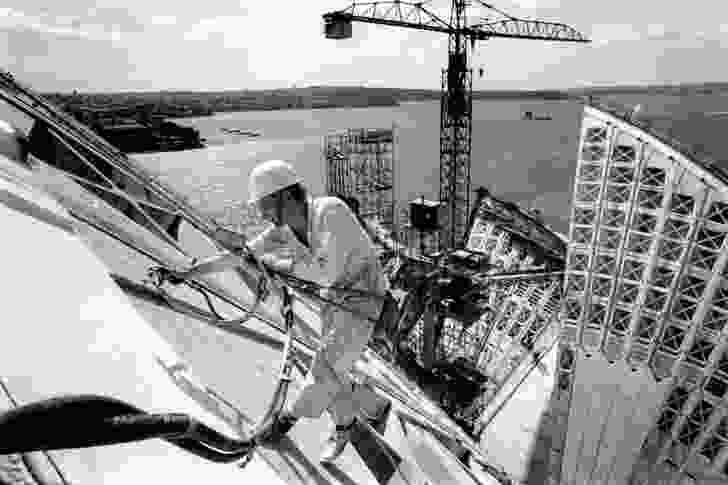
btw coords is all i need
(335, 444)
(383, 347)
(379, 422)
(277, 428)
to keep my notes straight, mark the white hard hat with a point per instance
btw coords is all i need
(270, 177)
(11, 142)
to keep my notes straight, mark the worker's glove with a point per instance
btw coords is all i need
(276, 264)
(230, 239)
(251, 259)
(161, 274)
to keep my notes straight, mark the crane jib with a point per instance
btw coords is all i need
(456, 99)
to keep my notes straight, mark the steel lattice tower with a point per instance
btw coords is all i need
(456, 108)
(360, 164)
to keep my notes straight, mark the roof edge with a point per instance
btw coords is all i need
(685, 151)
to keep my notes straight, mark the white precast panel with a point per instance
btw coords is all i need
(70, 330)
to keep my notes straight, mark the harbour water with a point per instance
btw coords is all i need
(527, 161)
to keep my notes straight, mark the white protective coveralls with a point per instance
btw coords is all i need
(341, 254)
(13, 143)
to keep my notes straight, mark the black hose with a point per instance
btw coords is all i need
(84, 421)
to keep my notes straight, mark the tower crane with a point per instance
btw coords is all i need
(456, 98)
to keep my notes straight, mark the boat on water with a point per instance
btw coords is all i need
(107, 360)
(238, 131)
(529, 115)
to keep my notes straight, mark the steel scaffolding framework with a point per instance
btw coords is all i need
(455, 146)
(520, 321)
(360, 164)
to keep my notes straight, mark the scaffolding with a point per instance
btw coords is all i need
(483, 360)
(360, 166)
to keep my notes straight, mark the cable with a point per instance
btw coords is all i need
(309, 346)
(219, 319)
(510, 17)
(535, 364)
(109, 421)
(28, 463)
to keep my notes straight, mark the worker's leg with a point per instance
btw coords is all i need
(343, 341)
(370, 404)
(352, 334)
(344, 398)
(356, 400)
(387, 318)
(330, 385)
(382, 340)
(412, 310)
(320, 388)
(431, 329)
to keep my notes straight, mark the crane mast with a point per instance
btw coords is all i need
(458, 300)
(456, 106)
(456, 98)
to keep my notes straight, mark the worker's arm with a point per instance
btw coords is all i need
(261, 247)
(249, 272)
(215, 264)
(343, 250)
(267, 243)
(221, 262)
(271, 239)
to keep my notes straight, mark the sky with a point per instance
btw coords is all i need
(107, 45)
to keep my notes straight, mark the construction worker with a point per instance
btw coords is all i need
(321, 240)
(382, 337)
(13, 143)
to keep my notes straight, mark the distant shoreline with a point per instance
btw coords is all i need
(183, 104)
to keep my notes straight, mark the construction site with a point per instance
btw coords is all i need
(638, 320)
(622, 319)
(632, 298)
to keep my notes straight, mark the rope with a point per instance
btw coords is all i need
(307, 284)
(423, 418)
(288, 362)
(64, 126)
(301, 286)
(517, 387)
(297, 358)
(158, 278)
(252, 311)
